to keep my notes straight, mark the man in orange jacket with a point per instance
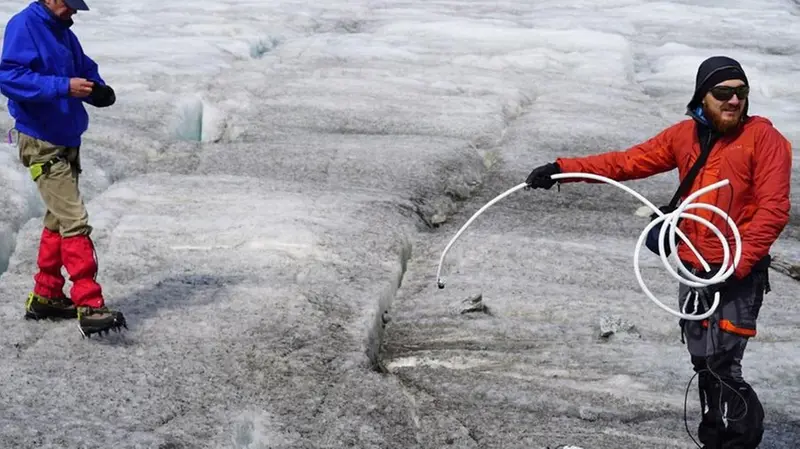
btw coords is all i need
(757, 159)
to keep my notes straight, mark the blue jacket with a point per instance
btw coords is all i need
(40, 55)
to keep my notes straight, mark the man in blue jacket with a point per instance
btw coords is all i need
(47, 78)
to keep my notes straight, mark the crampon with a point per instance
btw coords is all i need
(99, 321)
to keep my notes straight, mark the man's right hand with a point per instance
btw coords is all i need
(80, 87)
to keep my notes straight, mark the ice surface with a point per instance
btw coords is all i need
(19, 201)
(267, 170)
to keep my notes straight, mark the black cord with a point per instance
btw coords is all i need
(685, 415)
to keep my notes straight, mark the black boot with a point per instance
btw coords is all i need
(38, 307)
(744, 420)
(733, 417)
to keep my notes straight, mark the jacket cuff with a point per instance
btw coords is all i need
(62, 86)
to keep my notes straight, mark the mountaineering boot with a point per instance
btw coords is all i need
(47, 299)
(733, 417)
(99, 320)
(49, 281)
(93, 316)
(40, 307)
(745, 416)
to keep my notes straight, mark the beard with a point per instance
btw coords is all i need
(725, 125)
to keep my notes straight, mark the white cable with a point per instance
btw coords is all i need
(439, 280)
(670, 221)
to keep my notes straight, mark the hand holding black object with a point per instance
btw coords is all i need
(540, 177)
(102, 96)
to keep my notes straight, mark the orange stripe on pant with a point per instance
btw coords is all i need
(728, 326)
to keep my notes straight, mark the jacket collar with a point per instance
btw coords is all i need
(47, 16)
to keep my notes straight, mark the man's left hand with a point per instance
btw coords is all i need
(102, 95)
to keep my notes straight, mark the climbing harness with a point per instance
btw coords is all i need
(37, 170)
(670, 224)
(43, 168)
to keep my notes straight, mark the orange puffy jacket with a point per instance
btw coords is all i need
(757, 161)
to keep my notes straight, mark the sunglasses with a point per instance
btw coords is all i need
(725, 93)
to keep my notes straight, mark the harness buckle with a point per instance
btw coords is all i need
(37, 170)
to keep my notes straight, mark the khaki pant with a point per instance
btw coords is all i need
(66, 212)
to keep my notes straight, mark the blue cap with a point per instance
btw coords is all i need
(79, 5)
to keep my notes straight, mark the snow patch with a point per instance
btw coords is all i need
(263, 45)
(643, 211)
(198, 120)
(454, 363)
(258, 430)
(19, 203)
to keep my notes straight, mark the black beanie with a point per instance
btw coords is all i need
(713, 71)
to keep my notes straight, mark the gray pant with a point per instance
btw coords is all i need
(734, 320)
(732, 416)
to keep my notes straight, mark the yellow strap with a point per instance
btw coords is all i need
(41, 168)
(36, 171)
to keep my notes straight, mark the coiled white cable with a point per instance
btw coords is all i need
(670, 225)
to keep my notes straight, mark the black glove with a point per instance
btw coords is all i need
(102, 96)
(540, 176)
